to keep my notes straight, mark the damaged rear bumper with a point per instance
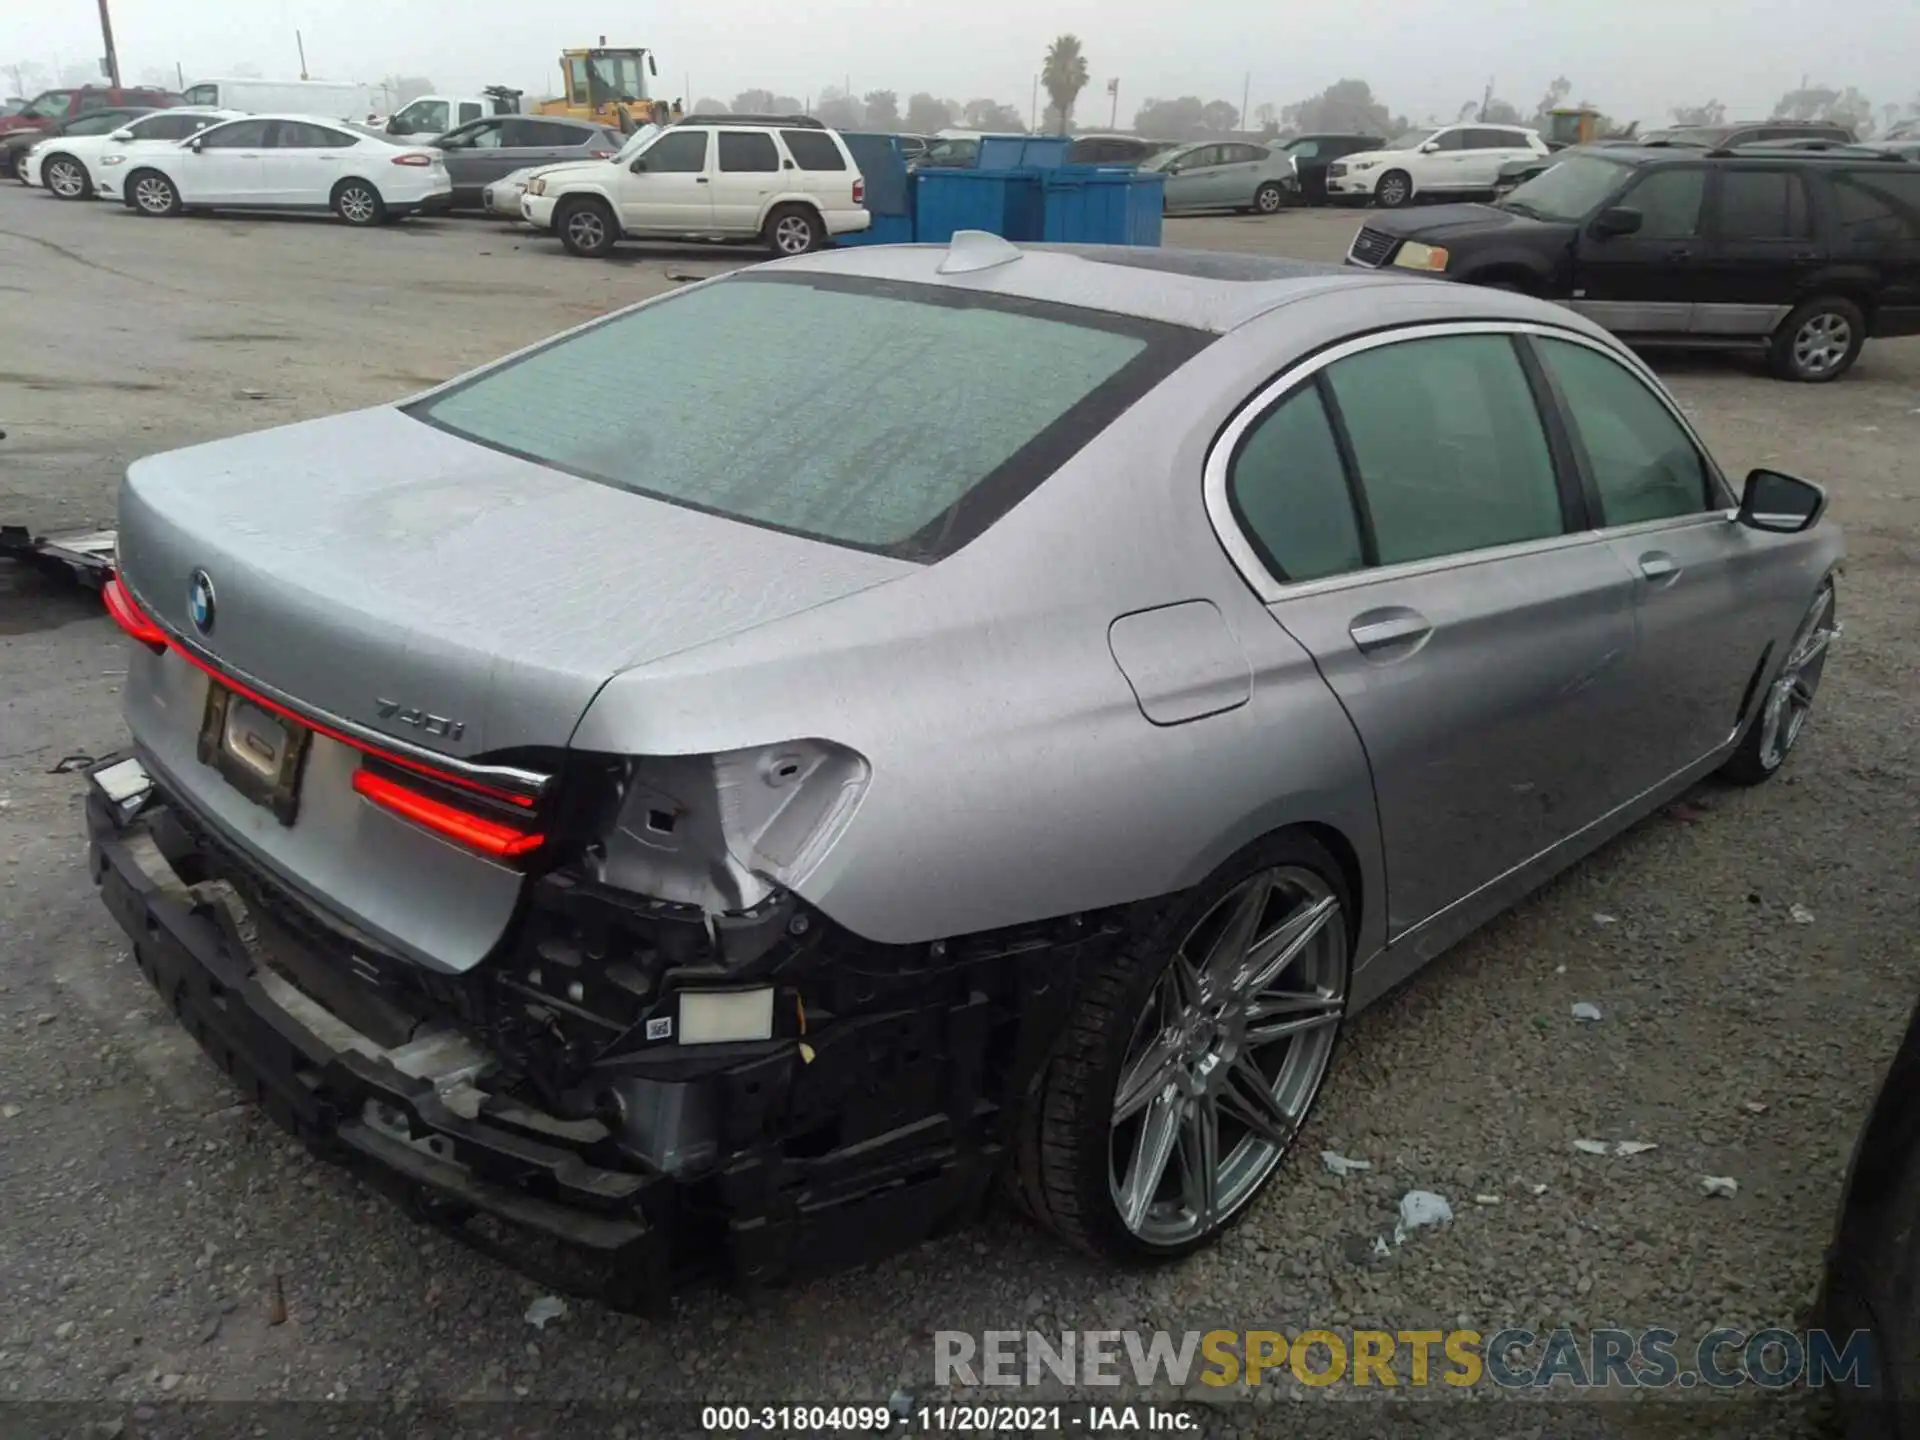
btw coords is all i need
(884, 1126)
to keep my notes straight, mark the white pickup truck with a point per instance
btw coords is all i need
(429, 116)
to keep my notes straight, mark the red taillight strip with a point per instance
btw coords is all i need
(130, 617)
(136, 622)
(489, 837)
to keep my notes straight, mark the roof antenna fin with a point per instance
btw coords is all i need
(971, 250)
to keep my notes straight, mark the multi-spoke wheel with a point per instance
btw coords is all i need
(1193, 1059)
(1819, 341)
(1788, 703)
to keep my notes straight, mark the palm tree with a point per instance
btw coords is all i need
(1064, 76)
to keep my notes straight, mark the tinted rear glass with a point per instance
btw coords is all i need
(813, 150)
(918, 417)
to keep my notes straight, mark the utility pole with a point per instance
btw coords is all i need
(1246, 94)
(300, 43)
(1033, 113)
(180, 74)
(1113, 110)
(109, 59)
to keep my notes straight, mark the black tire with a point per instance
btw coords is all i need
(358, 203)
(1394, 190)
(793, 230)
(1269, 199)
(151, 193)
(1760, 754)
(62, 170)
(1819, 341)
(1062, 1174)
(587, 228)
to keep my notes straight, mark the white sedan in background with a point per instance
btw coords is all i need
(70, 165)
(287, 162)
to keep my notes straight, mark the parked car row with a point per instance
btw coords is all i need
(1802, 254)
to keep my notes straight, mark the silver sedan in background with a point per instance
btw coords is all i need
(699, 832)
(1224, 175)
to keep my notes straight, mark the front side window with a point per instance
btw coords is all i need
(470, 111)
(424, 117)
(490, 136)
(1669, 203)
(1024, 386)
(51, 106)
(1644, 465)
(1304, 149)
(747, 151)
(1764, 205)
(97, 124)
(1454, 140)
(1451, 452)
(815, 150)
(1288, 489)
(1569, 191)
(677, 152)
(240, 135)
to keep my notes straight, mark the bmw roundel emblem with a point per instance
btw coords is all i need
(200, 601)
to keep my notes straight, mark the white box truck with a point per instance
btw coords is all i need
(339, 99)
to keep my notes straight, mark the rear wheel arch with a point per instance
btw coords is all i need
(807, 208)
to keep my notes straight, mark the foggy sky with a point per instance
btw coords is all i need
(1632, 58)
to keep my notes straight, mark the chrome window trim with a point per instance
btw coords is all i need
(1246, 559)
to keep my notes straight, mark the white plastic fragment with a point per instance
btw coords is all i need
(1724, 1186)
(1602, 918)
(1341, 1165)
(1801, 915)
(1586, 1010)
(1634, 1147)
(1592, 1147)
(1755, 1107)
(1419, 1208)
(1559, 969)
(547, 1307)
(1486, 1199)
(1617, 1147)
(1380, 1246)
(1538, 1189)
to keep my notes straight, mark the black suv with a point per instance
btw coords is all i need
(1312, 154)
(1801, 253)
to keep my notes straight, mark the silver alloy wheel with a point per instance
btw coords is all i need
(1267, 199)
(1391, 192)
(1227, 1055)
(1822, 343)
(153, 195)
(1790, 700)
(359, 204)
(587, 229)
(66, 179)
(792, 235)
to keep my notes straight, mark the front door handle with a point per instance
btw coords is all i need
(1658, 565)
(700, 180)
(1680, 252)
(1382, 632)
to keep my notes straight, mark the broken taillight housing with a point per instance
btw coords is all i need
(131, 618)
(500, 829)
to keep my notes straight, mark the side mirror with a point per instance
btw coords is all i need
(1616, 220)
(1173, 169)
(121, 135)
(196, 145)
(1429, 147)
(638, 166)
(1780, 504)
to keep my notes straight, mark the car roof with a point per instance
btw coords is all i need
(1758, 151)
(1201, 289)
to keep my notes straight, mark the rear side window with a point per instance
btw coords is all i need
(747, 150)
(851, 452)
(1453, 140)
(1875, 207)
(813, 150)
(203, 95)
(1643, 463)
(1764, 205)
(470, 111)
(1288, 489)
(169, 127)
(1449, 444)
(96, 124)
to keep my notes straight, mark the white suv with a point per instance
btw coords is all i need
(1450, 160)
(789, 183)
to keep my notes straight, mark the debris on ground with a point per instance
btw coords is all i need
(1755, 1107)
(84, 556)
(1419, 1208)
(1601, 918)
(1486, 1199)
(1687, 813)
(1586, 1010)
(1724, 1186)
(1538, 1189)
(1342, 1166)
(277, 1304)
(1616, 1147)
(547, 1307)
(1800, 915)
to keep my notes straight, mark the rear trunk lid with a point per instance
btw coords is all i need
(372, 570)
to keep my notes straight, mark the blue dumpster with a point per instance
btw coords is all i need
(1008, 203)
(1095, 205)
(1022, 152)
(889, 199)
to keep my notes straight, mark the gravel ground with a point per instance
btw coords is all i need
(144, 1214)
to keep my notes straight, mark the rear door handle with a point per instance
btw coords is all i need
(1387, 631)
(1658, 565)
(699, 179)
(1680, 252)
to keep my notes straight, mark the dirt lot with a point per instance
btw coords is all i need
(143, 1213)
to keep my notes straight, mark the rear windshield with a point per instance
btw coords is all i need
(891, 417)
